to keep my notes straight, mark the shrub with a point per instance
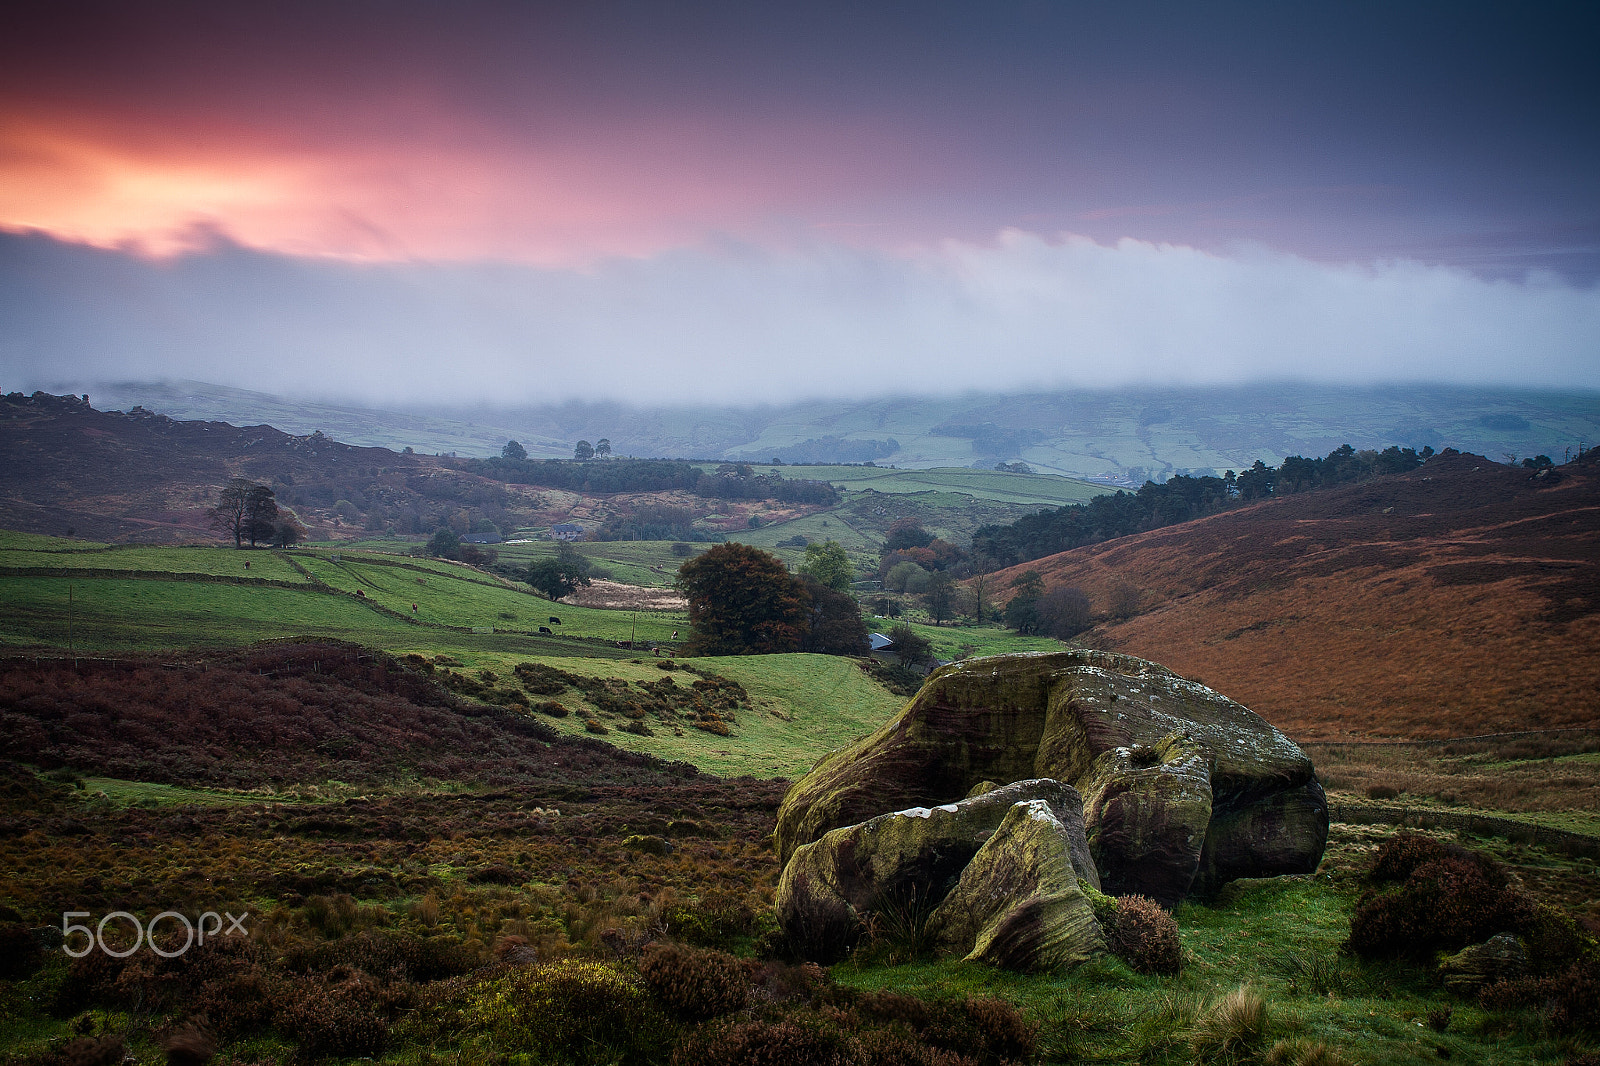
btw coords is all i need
(1570, 999)
(989, 1030)
(647, 843)
(86, 1051)
(1230, 1027)
(189, 1045)
(552, 708)
(1142, 934)
(695, 984)
(1445, 899)
(570, 1010)
(792, 1041)
(594, 725)
(716, 920)
(981, 1028)
(1404, 852)
(336, 1015)
(236, 1004)
(19, 952)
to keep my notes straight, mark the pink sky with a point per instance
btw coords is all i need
(550, 133)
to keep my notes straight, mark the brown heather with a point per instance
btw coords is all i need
(1460, 599)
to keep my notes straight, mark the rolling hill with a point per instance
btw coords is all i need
(73, 470)
(1120, 436)
(1462, 598)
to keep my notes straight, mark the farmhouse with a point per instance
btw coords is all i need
(566, 531)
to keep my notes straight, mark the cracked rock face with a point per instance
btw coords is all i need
(1183, 789)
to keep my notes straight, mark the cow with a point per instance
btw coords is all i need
(554, 620)
(546, 631)
(413, 608)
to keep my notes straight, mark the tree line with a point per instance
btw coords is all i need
(1180, 499)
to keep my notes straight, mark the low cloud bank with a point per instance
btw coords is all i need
(736, 324)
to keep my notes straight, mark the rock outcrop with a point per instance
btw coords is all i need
(907, 862)
(1020, 902)
(1183, 789)
(1468, 970)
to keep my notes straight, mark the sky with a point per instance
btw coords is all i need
(403, 202)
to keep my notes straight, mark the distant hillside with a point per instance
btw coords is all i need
(1120, 435)
(1460, 598)
(72, 470)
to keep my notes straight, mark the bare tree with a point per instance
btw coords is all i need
(229, 516)
(245, 511)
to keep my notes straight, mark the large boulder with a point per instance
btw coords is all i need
(1020, 902)
(1184, 789)
(908, 861)
(1149, 809)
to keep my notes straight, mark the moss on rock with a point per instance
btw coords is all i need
(1018, 903)
(1239, 799)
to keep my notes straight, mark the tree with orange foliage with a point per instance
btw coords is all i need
(742, 601)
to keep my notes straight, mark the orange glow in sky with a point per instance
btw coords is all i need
(555, 204)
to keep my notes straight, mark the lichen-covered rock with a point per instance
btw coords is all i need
(1019, 903)
(1263, 836)
(1064, 715)
(1148, 810)
(1469, 969)
(911, 859)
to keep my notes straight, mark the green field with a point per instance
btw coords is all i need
(1041, 490)
(803, 707)
(633, 562)
(145, 598)
(161, 598)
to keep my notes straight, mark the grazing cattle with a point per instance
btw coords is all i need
(554, 620)
(360, 593)
(413, 608)
(546, 631)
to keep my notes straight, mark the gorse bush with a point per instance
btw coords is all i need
(695, 984)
